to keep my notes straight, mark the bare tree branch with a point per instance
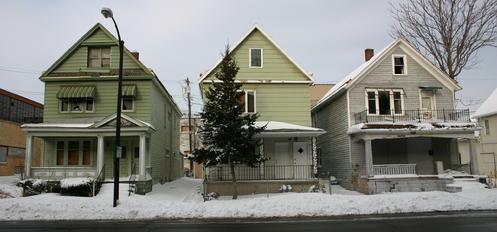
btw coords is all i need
(449, 32)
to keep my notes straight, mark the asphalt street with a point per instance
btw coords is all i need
(468, 222)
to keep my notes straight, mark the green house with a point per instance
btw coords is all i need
(78, 129)
(276, 88)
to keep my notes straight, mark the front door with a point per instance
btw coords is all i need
(301, 160)
(427, 104)
(281, 161)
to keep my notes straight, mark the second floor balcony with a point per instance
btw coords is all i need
(415, 116)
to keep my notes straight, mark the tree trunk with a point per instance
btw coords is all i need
(233, 179)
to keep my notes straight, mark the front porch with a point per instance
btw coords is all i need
(291, 154)
(88, 150)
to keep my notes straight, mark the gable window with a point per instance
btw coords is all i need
(399, 65)
(255, 58)
(385, 101)
(247, 101)
(76, 105)
(99, 57)
(73, 152)
(127, 104)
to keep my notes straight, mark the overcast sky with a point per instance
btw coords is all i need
(180, 39)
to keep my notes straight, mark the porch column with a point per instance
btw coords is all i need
(100, 153)
(314, 156)
(141, 161)
(473, 161)
(369, 157)
(29, 155)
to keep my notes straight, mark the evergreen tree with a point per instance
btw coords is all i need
(227, 131)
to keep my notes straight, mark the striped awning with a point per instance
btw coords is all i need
(76, 92)
(129, 90)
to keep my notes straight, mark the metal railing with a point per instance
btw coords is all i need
(443, 115)
(97, 184)
(265, 172)
(132, 180)
(394, 169)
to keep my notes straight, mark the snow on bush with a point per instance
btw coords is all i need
(76, 182)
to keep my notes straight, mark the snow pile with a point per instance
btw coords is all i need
(34, 182)
(76, 182)
(8, 188)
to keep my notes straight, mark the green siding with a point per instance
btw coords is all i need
(104, 102)
(75, 62)
(275, 65)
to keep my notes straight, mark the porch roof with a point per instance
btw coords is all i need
(95, 124)
(283, 129)
(394, 130)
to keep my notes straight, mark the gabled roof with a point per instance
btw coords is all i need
(78, 43)
(364, 69)
(488, 107)
(258, 28)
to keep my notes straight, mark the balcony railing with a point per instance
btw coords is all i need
(267, 172)
(394, 169)
(443, 115)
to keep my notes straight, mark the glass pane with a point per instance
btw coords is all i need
(86, 153)
(60, 153)
(399, 69)
(94, 53)
(251, 102)
(255, 55)
(241, 100)
(64, 105)
(76, 105)
(399, 61)
(106, 53)
(371, 103)
(106, 62)
(127, 103)
(397, 102)
(89, 104)
(73, 153)
(3, 154)
(15, 151)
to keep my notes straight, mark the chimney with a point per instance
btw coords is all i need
(368, 54)
(136, 54)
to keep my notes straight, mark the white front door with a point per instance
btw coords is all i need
(427, 104)
(281, 161)
(301, 160)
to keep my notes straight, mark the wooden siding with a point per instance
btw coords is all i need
(335, 144)
(381, 77)
(275, 65)
(104, 101)
(282, 102)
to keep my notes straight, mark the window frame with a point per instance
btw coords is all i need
(132, 104)
(245, 98)
(100, 57)
(404, 57)
(69, 104)
(392, 101)
(250, 58)
(487, 127)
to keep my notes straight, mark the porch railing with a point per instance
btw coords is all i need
(58, 173)
(266, 172)
(97, 184)
(394, 169)
(443, 115)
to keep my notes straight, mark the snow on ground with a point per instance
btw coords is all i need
(8, 188)
(180, 199)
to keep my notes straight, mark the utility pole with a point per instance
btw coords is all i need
(189, 97)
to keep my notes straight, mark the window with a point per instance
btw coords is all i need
(16, 151)
(76, 105)
(74, 152)
(385, 101)
(487, 127)
(127, 104)
(99, 57)
(248, 101)
(399, 65)
(255, 58)
(3, 154)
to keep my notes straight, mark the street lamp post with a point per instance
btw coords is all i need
(107, 13)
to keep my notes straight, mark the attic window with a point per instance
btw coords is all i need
(255, 58)
(399, 65)
(99, 57)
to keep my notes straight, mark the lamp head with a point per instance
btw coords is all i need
(106, 12)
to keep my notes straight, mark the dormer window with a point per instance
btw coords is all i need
(99, 57)
(255, 58)
(399, 65)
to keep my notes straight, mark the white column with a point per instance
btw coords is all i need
(100, 153)
(29, 155)
(369, 157)
(314, 156)
(141, 160)
(473, 154)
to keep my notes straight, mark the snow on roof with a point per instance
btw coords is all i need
(488, 107)
(283, 126)
(57, 125)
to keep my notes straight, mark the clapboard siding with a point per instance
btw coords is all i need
(381, 77)
(275, 65)
(104, 102)
(335, 144)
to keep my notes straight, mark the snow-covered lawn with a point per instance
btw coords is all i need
(8, 188)
(180, 199)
